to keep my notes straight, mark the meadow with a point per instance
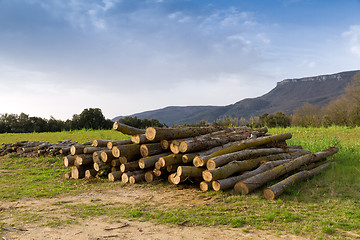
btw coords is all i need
(327, 206)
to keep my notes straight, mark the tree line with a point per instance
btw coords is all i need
(90, 118)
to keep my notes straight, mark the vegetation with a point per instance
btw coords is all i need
(141, 123)
(325, 207)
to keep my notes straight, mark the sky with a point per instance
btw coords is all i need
(58, 57)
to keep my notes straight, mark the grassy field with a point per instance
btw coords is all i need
(327, 206)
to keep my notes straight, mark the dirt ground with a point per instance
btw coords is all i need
(99, 228)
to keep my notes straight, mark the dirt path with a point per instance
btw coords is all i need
(99, 228)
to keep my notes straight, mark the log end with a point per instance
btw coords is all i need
(72, 150)
(198, 162)
(150, 133)
(125, 178)
(164, 144)
(207, 176)
(174, 147)
(161, 163)
(95, 143)
(132, 180)
(149, 176)
(144, 151)
(205, 186)
(210, 164)
(115, 152)
(111, 177)
(135, 139)
(109, 145)
(269, 194)
(241, 187)
(96, 166)
(122, 167)
(183, 147)
(103, 156)
(141, 163)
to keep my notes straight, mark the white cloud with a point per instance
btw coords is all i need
(353, 37)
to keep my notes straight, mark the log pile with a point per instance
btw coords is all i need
(216, 158)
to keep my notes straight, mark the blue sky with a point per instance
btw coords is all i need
(58, 57)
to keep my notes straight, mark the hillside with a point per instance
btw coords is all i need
(287, 96)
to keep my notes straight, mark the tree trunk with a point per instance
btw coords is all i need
(277, 189)
(148, 162)
(130, 166)
(158, 134)
(115, 176)
(234, 147)
(69, 160)
(227, 183)
(150, 149)
(205, 186)
(241, 155)
(170, 160)
(127, 129)
(250, 184)
(126, 150)
(189, 171)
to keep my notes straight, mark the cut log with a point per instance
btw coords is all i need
(115, 162)
(170, 160)
(63, 151)
(234, 147)
(250, 184)
(277, 189)
(130, 166)
(125, 129)
(96, 157)
(115, 176)
(241, 155)
(112, 144)
(78, 172)
(139, 139)
(78, 148)
(149, 176)
(189, 171)
(148, 162)
(171, 178)
(158, 172)
(137, 178)
(165, 144)
(126, 150)
(101, 143)
(125, 176)
(69, 160)
(106, 156)
(115, 169)
(206, 142)
(179, 179)
(98, 166)
(90, 149)
(150, 149)
(83, 159)
(205, 186)
(67, 175)
(158, 134)
(227, 183)
(90, 173)
(189, 157)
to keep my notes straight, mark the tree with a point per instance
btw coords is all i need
(306, 116)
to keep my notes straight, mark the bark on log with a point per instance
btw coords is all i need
(90, 173)
(115, 169)
(189, 171)
(78, 148)
(130, 166)
(78, 172)
(126, 150)
(115, 162)
(115, 176)
(137, 178)
(207, 142)
(250, 184)
(83, 159)
(241, 155)
(127, 129)
(171, 178)
(165, 144)
(148, 162)
(189, 157)
(227, 183)
(90, 149)
(158, 134)
(276, 190)
(139, 139)
(69, 161)
(158, 172)
(96, 157)
(179, 179)
(234, 147)
(112, 144)
(149, 176)
(101, 143)
(205, 186)
(150, 149)
(170, 160)
(125, 176)
(98, 166)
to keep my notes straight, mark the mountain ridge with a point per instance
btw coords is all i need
(287, 96)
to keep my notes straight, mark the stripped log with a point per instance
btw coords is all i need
(130, 166)
(148, 162)
(127, 129)
(158, 134)
(240, 155)
(115, 176)
(150, 149)
(277, 189)
(254, 182)
(227, 183)
(234, 147)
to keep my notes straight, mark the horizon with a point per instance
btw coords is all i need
(126, 57)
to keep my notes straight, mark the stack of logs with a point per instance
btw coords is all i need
(219, 158)
(37, 149)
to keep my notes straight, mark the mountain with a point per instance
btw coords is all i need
(287, 96)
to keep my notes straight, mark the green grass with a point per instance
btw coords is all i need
(327, 206)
